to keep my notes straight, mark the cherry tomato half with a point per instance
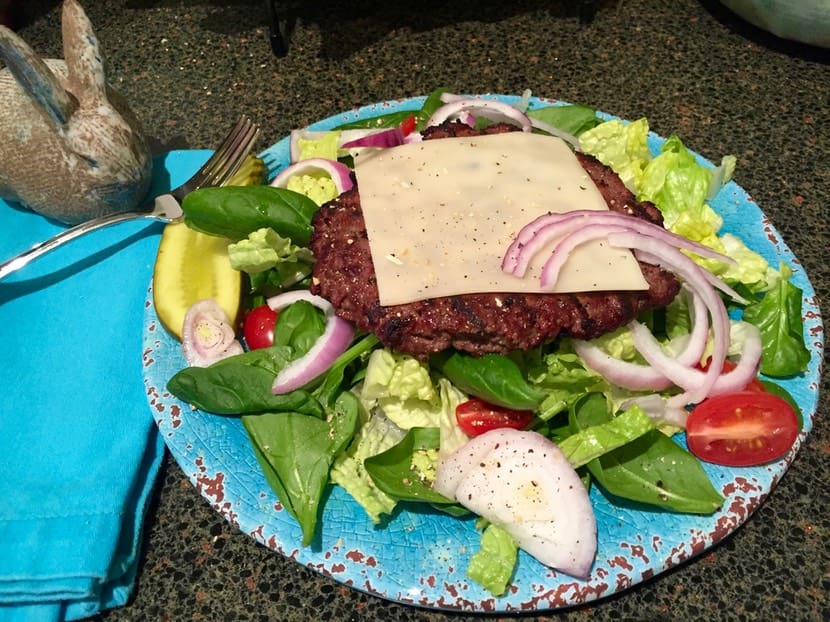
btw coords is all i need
(475, 416)
(258, 329)
(754, 386)
(741, 429)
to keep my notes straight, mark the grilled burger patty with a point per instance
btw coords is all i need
(475, 323)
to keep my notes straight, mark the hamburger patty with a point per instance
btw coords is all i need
(476, 323)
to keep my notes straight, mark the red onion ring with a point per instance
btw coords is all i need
(542, 230)
(638, 377)
(653, 244)
(335, 339)
(339, 173)
(491, 109)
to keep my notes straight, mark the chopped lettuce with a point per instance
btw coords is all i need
(564, 379)
(265, 249)
(750, 268)
(320, 188)
(326, 146)
(400, 385)
(374, 437)
(620, 145)
(492, 566)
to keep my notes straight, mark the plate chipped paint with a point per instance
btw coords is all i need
(420, 558)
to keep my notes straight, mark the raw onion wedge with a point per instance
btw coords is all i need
(522, 482)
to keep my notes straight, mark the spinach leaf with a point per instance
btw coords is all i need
(779, 391)
(572, 118)
(236, 211)
(327, 391)
(651, 469)
(393, 473)
(241, 384)
(299, 326)
(492, 377)
(296, 452)
(594, 441)
(778, 318)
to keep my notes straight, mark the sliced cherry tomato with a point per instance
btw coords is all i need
(755, 385)
(475, 416)
(407, 126)
(741, 429)
(258, 329)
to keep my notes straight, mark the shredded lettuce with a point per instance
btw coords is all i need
(564, 378)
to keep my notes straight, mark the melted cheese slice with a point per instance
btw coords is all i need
(440, 215)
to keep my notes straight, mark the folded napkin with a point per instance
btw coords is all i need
(80, 450)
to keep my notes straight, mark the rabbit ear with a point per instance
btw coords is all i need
(82, 54)
(35, 78)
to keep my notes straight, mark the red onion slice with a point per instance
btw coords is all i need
(652, 244)
(339, 173)
(490, 109)
(572, 140)
(383, 139)
(207, 334)
(539, 232)
(638, 377)
(335, 339)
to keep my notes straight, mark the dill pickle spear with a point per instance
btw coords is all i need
(191, 266)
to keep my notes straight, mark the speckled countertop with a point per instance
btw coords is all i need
(690, 67)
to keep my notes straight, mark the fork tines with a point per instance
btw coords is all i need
(229, 156)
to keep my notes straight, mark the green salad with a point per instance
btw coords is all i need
(325, 403)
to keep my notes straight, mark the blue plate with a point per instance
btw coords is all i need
(419, 557)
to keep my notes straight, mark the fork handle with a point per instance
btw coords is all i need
(41, 248)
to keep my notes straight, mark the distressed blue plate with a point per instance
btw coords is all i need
(418, 557)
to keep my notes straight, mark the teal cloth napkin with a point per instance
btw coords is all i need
(80, 450)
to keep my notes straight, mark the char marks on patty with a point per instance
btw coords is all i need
(475, 323)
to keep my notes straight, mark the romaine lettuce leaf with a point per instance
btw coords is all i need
(620, 145)
(492, 566)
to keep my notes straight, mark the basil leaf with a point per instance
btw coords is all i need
(241, 384)
(778, 318)
(494, 378)
(296, 452)
(236, 211)
(651, 469)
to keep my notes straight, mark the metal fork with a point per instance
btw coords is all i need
(221, 166)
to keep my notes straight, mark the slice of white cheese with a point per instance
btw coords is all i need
(440, 215)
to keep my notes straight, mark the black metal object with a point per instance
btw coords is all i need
(281, 22)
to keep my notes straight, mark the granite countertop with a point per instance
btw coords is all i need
(689, 66)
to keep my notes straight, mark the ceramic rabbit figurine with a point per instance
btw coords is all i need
(70, 148)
